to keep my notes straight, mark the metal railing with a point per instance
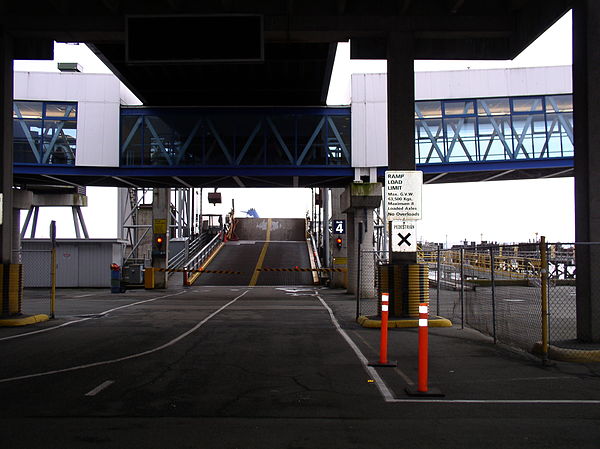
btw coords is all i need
(195, 262)
(192, 246)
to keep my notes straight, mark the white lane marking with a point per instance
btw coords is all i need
(84, 296)
(388, 396)
(131, 356)
(497, 401)
(401, 373)
(99, 388)
(68, 323)
(383, 388)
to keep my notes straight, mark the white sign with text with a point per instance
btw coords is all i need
(403, 194)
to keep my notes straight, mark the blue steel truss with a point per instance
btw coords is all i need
(494, 129)
(44, 132)
(317, 137)
(451, 136)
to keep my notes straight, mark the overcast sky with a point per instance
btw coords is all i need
(504, 211)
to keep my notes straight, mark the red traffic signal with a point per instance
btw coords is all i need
(159, 245)
(338, 242)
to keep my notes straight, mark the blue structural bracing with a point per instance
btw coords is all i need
(455, 140)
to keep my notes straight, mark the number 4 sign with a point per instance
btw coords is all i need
(339, 226)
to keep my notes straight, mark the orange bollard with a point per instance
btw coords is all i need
(385, 303)
(383, 342)
(423, 347)
(422, 388)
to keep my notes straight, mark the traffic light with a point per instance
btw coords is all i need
(159, 245)
(338, 242)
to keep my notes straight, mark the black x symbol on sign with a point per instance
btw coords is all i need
(404, 239)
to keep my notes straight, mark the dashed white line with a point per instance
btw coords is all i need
(100, 387)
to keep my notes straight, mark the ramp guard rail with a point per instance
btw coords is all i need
(202, 256)
(193, 246)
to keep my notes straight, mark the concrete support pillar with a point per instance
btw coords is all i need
(401, 111)
(586, 99)
(367, 258)
(6, 145)
(361, 258)
(351, 251)
(339, 255)
(160, 225)
(358, 202)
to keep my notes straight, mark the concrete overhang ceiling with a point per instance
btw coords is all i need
(299, 40)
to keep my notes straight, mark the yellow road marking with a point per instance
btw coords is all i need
(261, 258)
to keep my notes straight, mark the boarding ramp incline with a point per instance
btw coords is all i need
(265, 251)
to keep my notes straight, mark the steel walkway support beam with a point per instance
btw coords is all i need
(160, 225)
(586, 100)
(6, 148)
(401, 112)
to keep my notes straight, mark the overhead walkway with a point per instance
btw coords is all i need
(455, 141)
(264, 251)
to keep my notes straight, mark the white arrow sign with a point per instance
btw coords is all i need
(404, 236)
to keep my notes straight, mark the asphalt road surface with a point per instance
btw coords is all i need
(270, 367)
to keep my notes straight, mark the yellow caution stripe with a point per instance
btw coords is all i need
(181, 270)
(324, 270)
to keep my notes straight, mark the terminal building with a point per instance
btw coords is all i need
(74, 129)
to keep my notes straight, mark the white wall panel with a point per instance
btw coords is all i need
(98, 134)
(377, 139)
(369, 120)
(98, 109)
(358, 133)
(493, 83)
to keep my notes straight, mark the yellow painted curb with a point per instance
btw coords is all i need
(408, 323)
(569, 355)
(24, 321)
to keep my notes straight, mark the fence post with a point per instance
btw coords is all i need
(53, 269)
(462, 288)
(544, 297)
(439, 279)
(358, 284)
(492, 263)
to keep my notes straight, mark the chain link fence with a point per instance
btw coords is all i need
(569, 336)
(368, 281)
(502, 291)
(37, 281)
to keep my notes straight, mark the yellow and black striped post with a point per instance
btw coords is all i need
(408, 286)
(11, 289)
(418, 287)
